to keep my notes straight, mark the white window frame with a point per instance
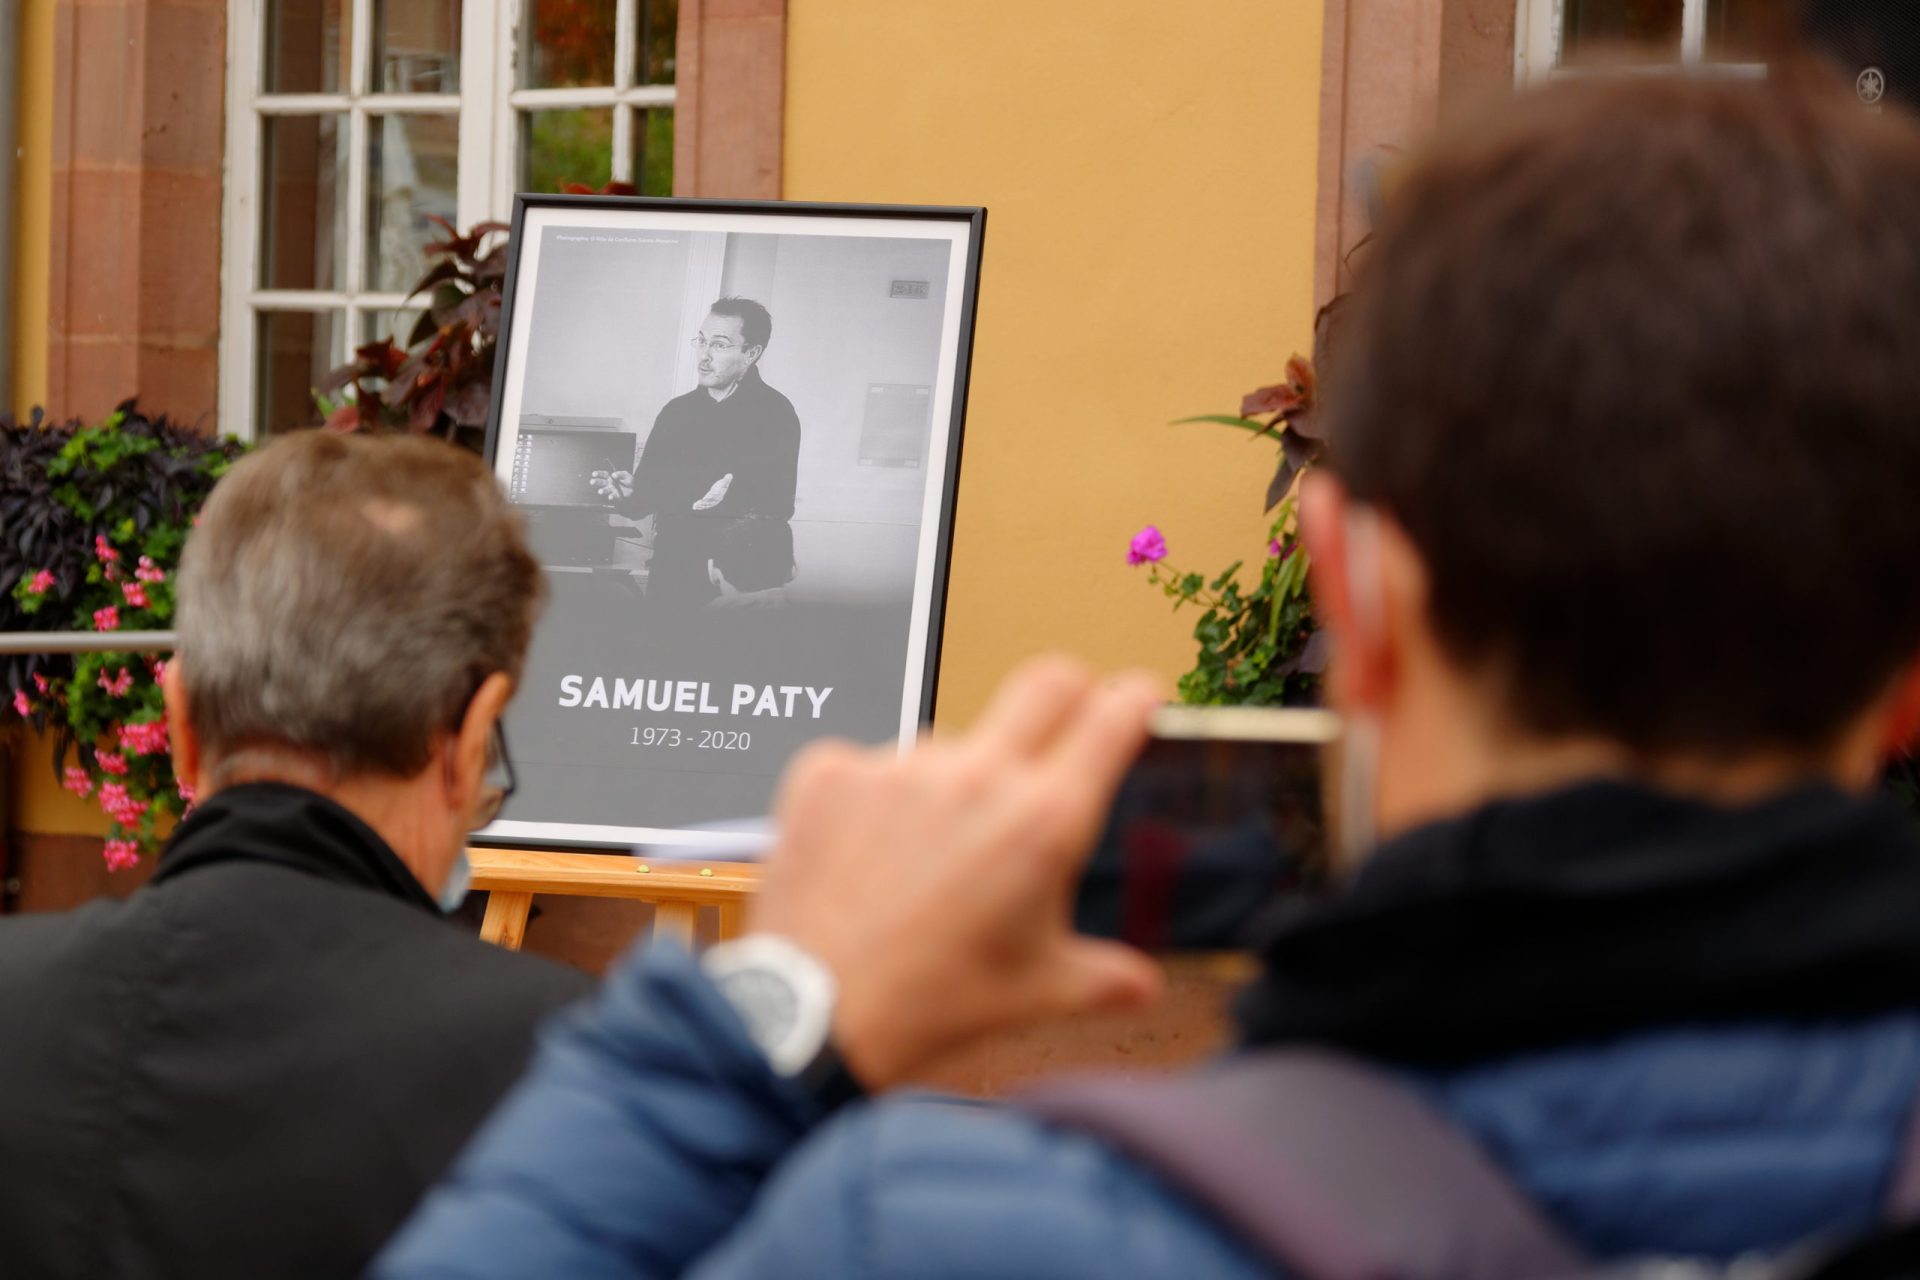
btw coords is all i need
(1539, 29)
(488, 106)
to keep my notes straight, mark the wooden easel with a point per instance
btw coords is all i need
(677, 890)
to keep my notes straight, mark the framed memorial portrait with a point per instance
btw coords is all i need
(733, 429)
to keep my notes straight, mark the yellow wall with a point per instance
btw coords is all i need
(34, 205)
(26, 785)
(1148, 169)
(37, 800)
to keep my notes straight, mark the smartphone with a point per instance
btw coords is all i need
(1220, 820)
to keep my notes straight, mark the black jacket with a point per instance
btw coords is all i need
(754, 436)
(256, 1064)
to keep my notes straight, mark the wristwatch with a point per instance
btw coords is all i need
(785, 997)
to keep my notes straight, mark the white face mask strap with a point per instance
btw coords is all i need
(1360, 749)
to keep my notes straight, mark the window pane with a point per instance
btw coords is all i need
(294, 352)
(653, 151)
(416, 46)
(307, 43)
(1651, 23)
(572, 43)
(303, 172)
(394, 324)
(1735, 27)
(558, 147)
(412, 171)
(659, 20)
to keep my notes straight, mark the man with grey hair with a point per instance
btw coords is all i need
(255, 1064)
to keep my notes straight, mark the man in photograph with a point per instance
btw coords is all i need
(728, 449)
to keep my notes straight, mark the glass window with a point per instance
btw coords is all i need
(1652, 26)
(339, 170)
(413, 169)
(1550, 35)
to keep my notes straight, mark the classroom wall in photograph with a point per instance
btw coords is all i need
(856, 341)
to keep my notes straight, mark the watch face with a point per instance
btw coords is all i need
(767, 1003)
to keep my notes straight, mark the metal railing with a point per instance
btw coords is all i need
(12, 642)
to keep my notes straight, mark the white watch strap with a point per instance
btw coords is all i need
(738, 967)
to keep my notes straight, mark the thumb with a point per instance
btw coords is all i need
(1097, 976)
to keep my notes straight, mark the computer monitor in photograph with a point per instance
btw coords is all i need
(554, 468)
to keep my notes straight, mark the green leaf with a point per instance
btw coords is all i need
(1225, 420)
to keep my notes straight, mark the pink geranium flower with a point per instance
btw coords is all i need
(1147, 547)
(121, 854)
(144, 739)
(119, 684)
(107, 619)
(149, 571)
(186, 793)
(75, 779)
(41, 582)
(112, 763)
(103, 550)
(120, 806)
(159, 668)
(20, 702)
(135, 593)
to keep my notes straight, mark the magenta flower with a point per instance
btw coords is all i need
(135, 593)
(149, 571)
(41, 582)
(159, 669)
(1147, 547)
(40, 682)
(107, 619)
(104, 551)
(20, 703)
(75, 779)
(111, 763)
(119, 685)
(121, 854)
(1274, 549)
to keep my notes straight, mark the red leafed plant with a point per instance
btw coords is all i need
(441, 380)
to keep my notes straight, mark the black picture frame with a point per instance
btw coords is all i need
(937, 573)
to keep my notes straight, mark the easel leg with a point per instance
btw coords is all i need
(676, 920)
(505, 923)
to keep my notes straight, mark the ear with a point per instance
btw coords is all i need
(1360, 672)
(1903, 714)
(470, 740)
(180, 732)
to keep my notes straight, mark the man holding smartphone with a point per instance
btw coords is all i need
(1617, 547)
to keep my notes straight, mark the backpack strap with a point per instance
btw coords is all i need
(1330, 1168)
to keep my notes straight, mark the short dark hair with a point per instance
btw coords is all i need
(756, 325)
(755, 553)
(1637, 368)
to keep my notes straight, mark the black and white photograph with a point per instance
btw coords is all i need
(733, 431)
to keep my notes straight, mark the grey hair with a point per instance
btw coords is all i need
(343, 597)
